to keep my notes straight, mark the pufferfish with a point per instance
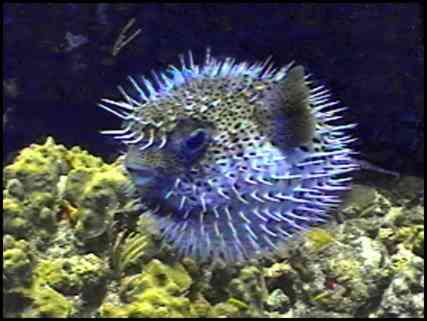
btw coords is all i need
(233, 158)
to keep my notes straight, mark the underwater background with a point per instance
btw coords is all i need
(65, 254)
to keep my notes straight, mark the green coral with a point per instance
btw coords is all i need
(159, 303)
(38, 167)
(79, 158)
(97, 194)
(55, 281)
(78, 274)
(345, 270)
(31, 191)
(47, 180)
(46, 302)
(418, 247)
(278, 301)
(249, 287)
(405, 216)
(404, 296)
(277, 270)
(340, 279)
(156, 292)
(201, 308)
(411, 237)
(17, 262)
(127, 250)
(225, 309)
(38, 209)
(319, 239)
(172, 279)
(14, 220)
(110, 310)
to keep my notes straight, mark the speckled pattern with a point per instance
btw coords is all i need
(234, 158)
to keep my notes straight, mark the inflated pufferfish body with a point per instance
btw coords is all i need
(233, 158)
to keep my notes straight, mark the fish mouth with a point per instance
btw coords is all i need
(142, 175)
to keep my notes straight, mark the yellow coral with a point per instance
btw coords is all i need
(109, 310)
(127, 250)
(156, 301)
(79, 274)
(47, 302)
(156, 292)
(277, 270)
(78, 158)
(38, 165)
(223, 310)
(319, 238)
(346, 269)
(238, 303)
(17, 263)
(14, 220)
(173, 279)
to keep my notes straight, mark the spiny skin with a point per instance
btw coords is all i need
(233, 158)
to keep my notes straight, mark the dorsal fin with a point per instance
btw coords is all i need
(287, 114)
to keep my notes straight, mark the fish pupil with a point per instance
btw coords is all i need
(196, 140)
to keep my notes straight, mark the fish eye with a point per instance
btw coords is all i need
(196, 140)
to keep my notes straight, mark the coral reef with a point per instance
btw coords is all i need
(75, 245)
(404, 296)
(55, 200)
(17, 262)
(46, 302)
(79, 274)
(155, 292)
(249, 290)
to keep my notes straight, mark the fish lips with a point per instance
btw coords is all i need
(142, 175)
